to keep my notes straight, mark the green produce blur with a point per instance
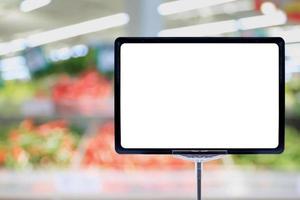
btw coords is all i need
(13, 94)
(51, 144)
(72, 66)
(289, 160)
(16, 92)
(292, 97)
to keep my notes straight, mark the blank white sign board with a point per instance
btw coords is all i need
(199, 95)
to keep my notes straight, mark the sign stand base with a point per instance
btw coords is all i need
(199, 159)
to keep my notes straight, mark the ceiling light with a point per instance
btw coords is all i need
(276, 18)
(78, 29)
(179, 6)
(216, 28)
(12, 46)
(65, 32)
(29, 5)
(213, 28)
(268, 8)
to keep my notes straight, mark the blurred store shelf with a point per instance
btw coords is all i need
(45, 109)
(94, 184)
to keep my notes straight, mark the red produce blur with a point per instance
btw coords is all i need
(100, 152)
(88, 94)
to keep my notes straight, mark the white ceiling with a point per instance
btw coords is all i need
(16, 24)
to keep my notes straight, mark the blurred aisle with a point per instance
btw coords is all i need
(95, 184)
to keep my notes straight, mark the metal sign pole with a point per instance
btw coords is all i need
(198, 166)
(199, 159)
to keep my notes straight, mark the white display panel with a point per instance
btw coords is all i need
(199, 95)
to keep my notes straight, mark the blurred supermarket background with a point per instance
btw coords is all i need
(56, 100)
